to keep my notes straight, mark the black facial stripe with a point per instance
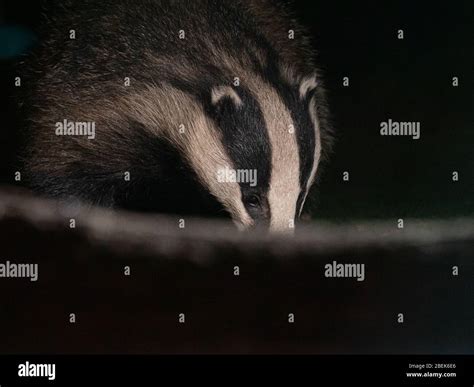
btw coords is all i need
(246, 140)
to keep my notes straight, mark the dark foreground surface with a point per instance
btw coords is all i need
(190, 271)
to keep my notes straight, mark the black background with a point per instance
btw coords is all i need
(405, 80)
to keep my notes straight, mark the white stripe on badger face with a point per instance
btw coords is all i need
(317, 151)
(285, 164)
(307, 84)
(219, 92)
(207, 157)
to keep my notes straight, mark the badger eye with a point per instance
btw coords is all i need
(252, 201)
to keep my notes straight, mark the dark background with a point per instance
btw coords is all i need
(405, 80)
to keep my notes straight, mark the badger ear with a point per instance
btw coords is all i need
(307, 85)
(220, 94)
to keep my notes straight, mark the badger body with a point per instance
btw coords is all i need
(177, 92)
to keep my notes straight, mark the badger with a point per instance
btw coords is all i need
(142, 104)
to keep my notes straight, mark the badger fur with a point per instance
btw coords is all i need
(176, 92)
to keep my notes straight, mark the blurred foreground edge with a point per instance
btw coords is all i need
(121, 282)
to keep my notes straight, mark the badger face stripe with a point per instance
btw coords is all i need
(284, 187)
(307, 133)
(239, 118)
(284, 184)
(220, 92)
(317, 130)
(312, 110)
(307, 84)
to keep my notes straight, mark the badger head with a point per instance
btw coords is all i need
(268, 136)
(254, 147)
